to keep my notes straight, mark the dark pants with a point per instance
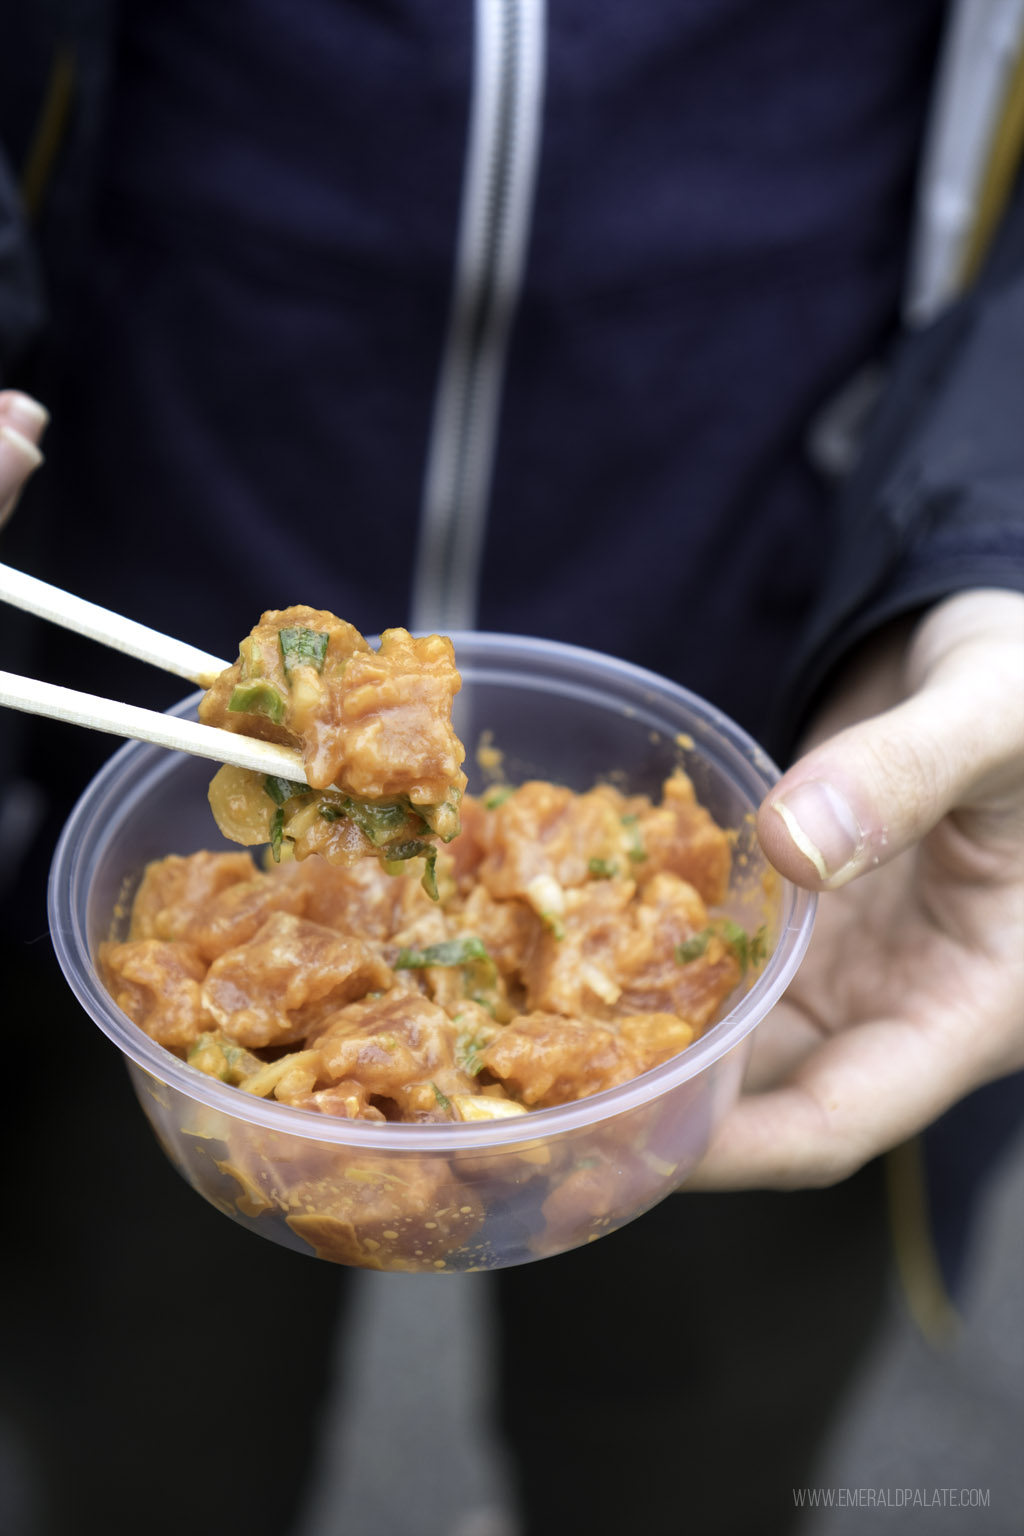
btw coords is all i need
(678, 1376)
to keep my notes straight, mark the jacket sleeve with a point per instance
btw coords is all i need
(21, 294)
(936, 502)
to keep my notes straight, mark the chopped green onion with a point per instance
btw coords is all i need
(220, 1057)
(302, 648)
(398, 853)
(257, 699)
(497, 796)
(693, 947)
(277, 834)
(604, 869)
(468, 1050)
(281, 790)
(448, 952)
(429, 880)
(749, 949)
(395, 827)
(636, 850)
(442, 1098)
(733, 935)
(383, 823)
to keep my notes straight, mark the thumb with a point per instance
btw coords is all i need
(876, 788)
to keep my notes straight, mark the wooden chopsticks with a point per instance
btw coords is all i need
(108, 628)
(122, 634)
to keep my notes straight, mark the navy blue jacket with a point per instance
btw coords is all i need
(260, 299)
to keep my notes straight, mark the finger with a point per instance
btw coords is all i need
(26, 415)
(781, 1044)
(22, 423)
(859, 1095)
(864, 796)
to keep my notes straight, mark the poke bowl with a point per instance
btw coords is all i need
(471, 1194)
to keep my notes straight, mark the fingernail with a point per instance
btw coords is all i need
(22, 411)
(823, 827)
(24, 447)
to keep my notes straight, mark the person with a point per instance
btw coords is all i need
(673, 240)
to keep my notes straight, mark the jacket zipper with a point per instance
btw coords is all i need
(982, 50)
(497, 204)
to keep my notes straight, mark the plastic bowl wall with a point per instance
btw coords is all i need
(454, 1196)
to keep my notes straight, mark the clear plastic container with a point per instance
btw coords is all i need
(447, 1197)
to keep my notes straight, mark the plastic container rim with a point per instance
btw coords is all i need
(83, 841)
